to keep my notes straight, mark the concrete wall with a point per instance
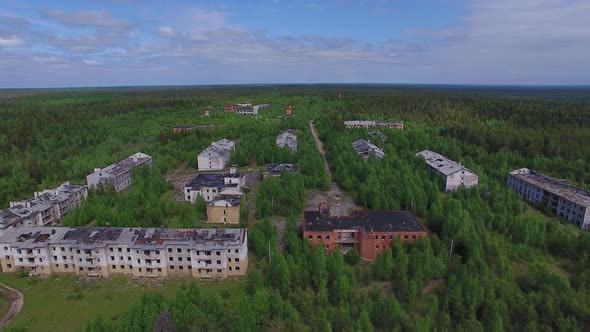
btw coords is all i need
(223, 214)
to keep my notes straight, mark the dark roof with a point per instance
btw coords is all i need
(210, 180)
(368, 221)
(280, 168)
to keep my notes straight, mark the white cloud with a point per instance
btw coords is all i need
(87, 18)
(11, 41)
(91, 62)
(166, 31)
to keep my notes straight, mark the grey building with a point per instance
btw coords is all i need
(563, 199)
(46, 208)
(118, 174)
(211, 185)
(366, 149)
(287, 138)
(452, 173)
(247, 110)
(216, 155)
(279, 169)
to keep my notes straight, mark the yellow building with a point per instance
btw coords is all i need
(224, 210)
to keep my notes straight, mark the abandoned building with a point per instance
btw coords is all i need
(369, 232)
(211, 185)
(279, 169)
(230, 108)
(366, 149)
(559, 196)
(287, 138)
(288, 110)
(249, 110)
(370, 124)
(46, 208)
(182, 129)
(377, 134)
(224, 209)
(137, 252)
(453, 174)
(216, 155)
(118, 174)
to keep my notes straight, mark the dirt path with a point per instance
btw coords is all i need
(16, 299)
(320, 146)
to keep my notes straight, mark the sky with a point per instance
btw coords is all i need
(86, 43)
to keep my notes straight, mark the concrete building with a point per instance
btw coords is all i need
(287, 138)
(279, 169)
(370, 124)
(137, 252)
(377, 134)
(369, 232)
(247, 110)
(367, 149)
(210, 186)
(216, 155)
(452, 174)
(225, 209)
(46, 208)
(563, 199)
(182, 129)
(118, 174)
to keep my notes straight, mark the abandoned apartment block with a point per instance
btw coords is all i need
(118, 174)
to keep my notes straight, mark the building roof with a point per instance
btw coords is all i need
(126, 164)
(441, 163)
(367, 149)
(288, 138)
(222, 147)
(226, 200)
(212, 180)
(367, 221)
(371, 123)
(144, 238)
(378, 134)
(277, 169)
(558, 187)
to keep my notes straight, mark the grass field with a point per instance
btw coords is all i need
(65, 303)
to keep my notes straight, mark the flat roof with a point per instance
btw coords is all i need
(126, 164)
(367, 221)
(210, 180)
(144, 238)
(280, 168)
(365, 147)
(555, 186)
(222, 147)
(441, 163)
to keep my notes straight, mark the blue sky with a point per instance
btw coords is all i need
(134, 42)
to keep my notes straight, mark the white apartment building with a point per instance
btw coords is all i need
(453, 174)
(211, 185)
(46, 208)
(563, 199)
(118, 174)
(137, 252)
(369, 124)
(216, 155)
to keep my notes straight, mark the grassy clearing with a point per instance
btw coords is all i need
(65, 303)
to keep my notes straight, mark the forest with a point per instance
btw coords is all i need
(490, 262)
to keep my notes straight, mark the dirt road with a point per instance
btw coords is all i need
(320, 146)
(16, 299)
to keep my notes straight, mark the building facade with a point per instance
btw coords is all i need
(182, 129)
(452, 174)
(211, 185)
(247, 110)
(225, 209)
(46, 208)
(137, 252)
(216, 155)
(118, 174)
(563, 199)
(369, 124)
(369, 232)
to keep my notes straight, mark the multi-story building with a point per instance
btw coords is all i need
(247, 110)
(230, 108)
(216, 155)
(211, 185)
(279, 169)
(367, 149)
(225, 209)
(370, 124)
(138, 252)
(369, 232)
(287, 138)
(118, 174)
(563, 199)
(182, 129)
(46, 208)
(452, 174)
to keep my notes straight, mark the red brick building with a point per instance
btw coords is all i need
(230, 107)
(289, 110)
(369, 232)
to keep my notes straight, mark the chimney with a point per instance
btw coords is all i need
(233, 169)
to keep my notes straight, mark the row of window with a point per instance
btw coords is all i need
(146, 252)
(383, 237)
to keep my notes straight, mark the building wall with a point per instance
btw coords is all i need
(175, 260)
(459, 179)
(208, 161)
(223, 214)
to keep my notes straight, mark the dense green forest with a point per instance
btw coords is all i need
(512, 266)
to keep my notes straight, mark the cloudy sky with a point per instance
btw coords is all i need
(151, 42)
